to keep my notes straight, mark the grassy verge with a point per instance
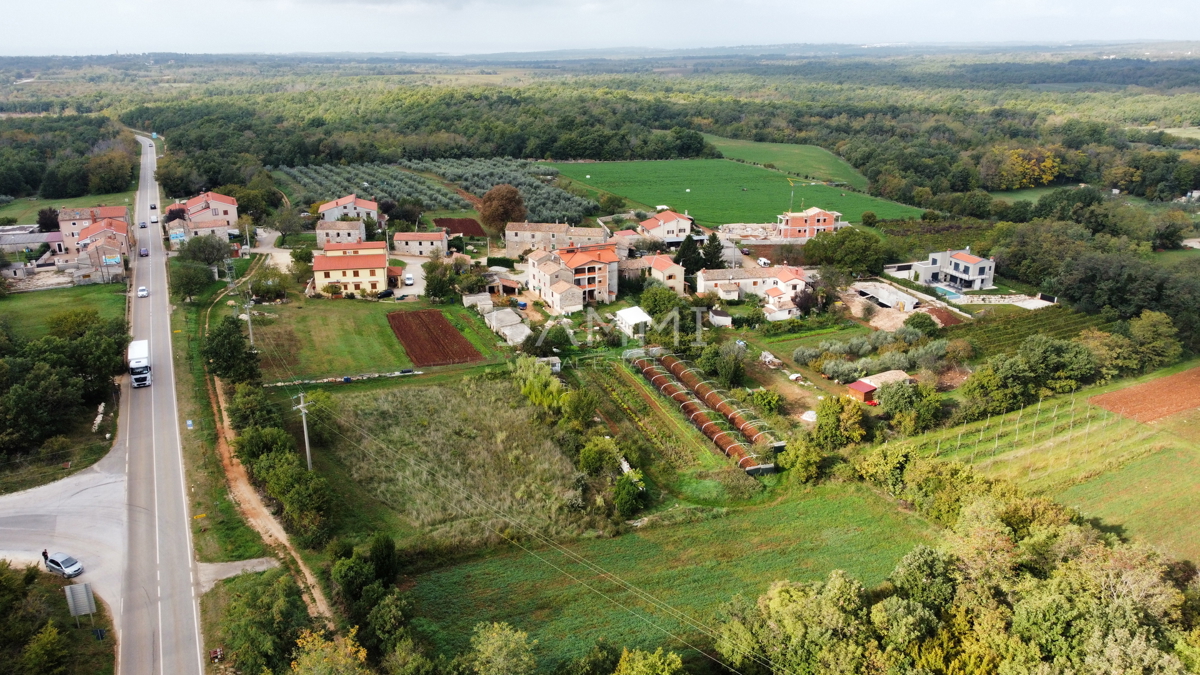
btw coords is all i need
(86, 655)
(26, 313)
(25, 210)
(221, 535)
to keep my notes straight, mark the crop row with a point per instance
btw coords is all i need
(668, 444)
(1005, 335)
(545, 203)
(381, 181)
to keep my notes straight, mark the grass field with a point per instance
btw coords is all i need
(804, 160)
(1026, 194)
(25, 210)
(694, 567)
(1184, 132)
(723, 191)
(27, 312)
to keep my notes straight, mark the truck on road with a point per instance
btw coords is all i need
(139, 363)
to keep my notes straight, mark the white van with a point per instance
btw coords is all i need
(763, 262)
(408, 279)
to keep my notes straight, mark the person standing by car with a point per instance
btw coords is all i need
(45, 556)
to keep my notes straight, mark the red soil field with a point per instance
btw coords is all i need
(430, 340)
(1155, 400)
(944, 316)
(464, 226)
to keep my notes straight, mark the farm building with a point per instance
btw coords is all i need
(507, 324)
(878, 380)
(861, 391)
(719, 317)
(630, 318)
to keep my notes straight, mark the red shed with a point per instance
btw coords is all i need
(862, 391)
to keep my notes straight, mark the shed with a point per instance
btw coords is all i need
(861, 391)
(886, 377)
(554, 362)
(515, 334)
(629, 318)
(718, 317)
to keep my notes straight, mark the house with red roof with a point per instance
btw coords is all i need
(361, 248)
(109, 232)
(806, 224)
(659, 267)
(959, 270)
(72, 221)
(737, 283)
(209, 213)
(358, 273)
(350, 206)
(420, 243)
(569, 278)
(666, 226)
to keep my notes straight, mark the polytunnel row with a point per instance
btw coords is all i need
(755, 433)
(696, 413)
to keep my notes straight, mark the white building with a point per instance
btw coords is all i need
(350, 205)
(957, 269)
(666, 226)
(735, 284)
(420, 243)
(629, 320)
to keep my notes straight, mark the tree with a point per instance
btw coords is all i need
(286, 222)
(269, 283)
(255, 442)
(250, 408)
(384, 558)
(926, 576)
(179, 213)
(209, 249)
(500, 649)
(229, 354)
(611, 203)
(689, 256)
(913, 407)
(263, 620)
(851, 250)
(839, 423)
(1153, 336)
(802, 459)
(1114, 354)
(189, 278)
(46, 653)
(712, 253)
(659, 301)
(178, 177)
(869, 219)
(638, 662)
(629, 494)
(340, 656)
(579, 407)
(924, 323)
(502, 205)
(47, 219)
(109, 172)
(351, 577)
(598, 455)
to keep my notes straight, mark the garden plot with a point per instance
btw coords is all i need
(465, 226)
(430, 340)
(1155, 400)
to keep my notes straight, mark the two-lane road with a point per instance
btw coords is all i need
(160, 627)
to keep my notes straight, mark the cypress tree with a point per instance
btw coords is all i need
(689, 256)
(711, 253)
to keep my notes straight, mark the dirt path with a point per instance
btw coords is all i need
(244, 494)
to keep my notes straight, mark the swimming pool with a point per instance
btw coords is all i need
(950, 295)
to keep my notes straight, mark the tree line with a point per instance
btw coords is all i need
(65, 156)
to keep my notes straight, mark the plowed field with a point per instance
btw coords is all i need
(430, 340)
(1154, 400)
(465, 226)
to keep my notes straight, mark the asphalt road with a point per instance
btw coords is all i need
(160, 631)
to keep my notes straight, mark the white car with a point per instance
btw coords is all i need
(154, 219)
(408, 279)
(143, 292)
(65, 565)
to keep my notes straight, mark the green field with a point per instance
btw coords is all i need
(25, 210)
(27, 312)
(803, 160)
(1027, 194)
(999, 336)
(722, 191)
(693, 567)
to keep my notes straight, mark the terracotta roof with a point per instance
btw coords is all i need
(348, 199)
(110, 212)
(419, 236)
(93, 213)
(210, 197)
(626, 233)
(812, 211)
(727, 286)
(102, 225)
(967, 258)
(861, 386)
(633, 264)
(329, 263)
(326, 225)
(662, 218)
(511, 283)
(783, 273)
(662, 263)
(395, 271)
(538, 256)
(175, 207)
(208, 223)
(775, 291)
(584, 255)
(351, 246)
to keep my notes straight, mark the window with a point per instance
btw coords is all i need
(327, 275)
(357, 286)
(373, 286)
(355, 272)
(372, 272)
(934, 261)
(216, 212)
(670, 277)
(226, 212)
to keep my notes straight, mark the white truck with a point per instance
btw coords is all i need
(139, 363)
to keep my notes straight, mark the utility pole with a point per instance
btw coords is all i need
(303, 408)
(250, 320)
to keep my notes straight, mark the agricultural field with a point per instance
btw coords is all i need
(326, 182)
(718, 191)
(26, 313)
(915, 239)
(1154, 400)
(430, 340)
(1003, 335)
(468, 227)
(545, 203)
(802, 160)
(25, 210)
(694, 566)
(1026, 194)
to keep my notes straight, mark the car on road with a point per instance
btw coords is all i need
(144, 252)
(408, 279)
(65, 565)
(143, 225)
(143, 292)
(154, 219)
(153, 207)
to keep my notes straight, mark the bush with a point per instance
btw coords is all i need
(922, 322)
(599, 455)
(629, 495)
(766, 400)
(250, 407)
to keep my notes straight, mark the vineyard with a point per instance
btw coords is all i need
(381, 181)
(544, 202)
(1003, 335)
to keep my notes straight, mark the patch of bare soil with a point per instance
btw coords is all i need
(953, 378)
(1154, 400)
(942, 316)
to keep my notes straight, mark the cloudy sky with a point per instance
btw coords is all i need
(482, 26)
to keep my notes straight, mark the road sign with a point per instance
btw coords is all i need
(189, 425)
(80, 600)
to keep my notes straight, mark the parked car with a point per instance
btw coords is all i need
(386, 293)
(61, 563)
(745, 251)
(408, 279)
(144, 252)
(143, 224)
(763, 262)
(143, 292)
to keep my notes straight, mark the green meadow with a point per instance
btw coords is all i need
(805, 160)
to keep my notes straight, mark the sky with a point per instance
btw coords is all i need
(77, 27)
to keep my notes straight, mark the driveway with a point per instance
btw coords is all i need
(412, 265)
(280, 257)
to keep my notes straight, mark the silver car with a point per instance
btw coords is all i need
(61, 563)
